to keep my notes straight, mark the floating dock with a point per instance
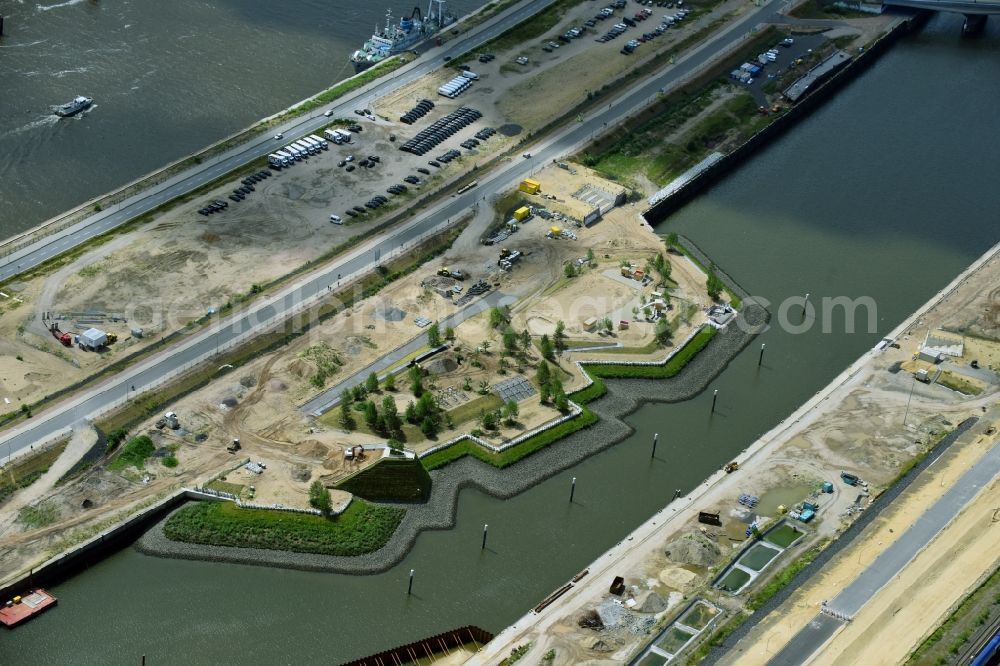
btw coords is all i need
(22, 609)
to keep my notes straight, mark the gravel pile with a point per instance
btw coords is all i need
(623, 398)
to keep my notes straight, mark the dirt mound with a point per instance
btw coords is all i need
(590, 620)
(312, 449)
(301, 369)
(599, 645)
(653, 603)
(301, 473)
(276, 385)
(440, 365)
(693, 548)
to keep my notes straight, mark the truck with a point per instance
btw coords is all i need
(307, 148)
(277, 161)
(332, 135)
(321, 141)
(310, 143)
(288, 157)
(293, 151)
(470, 75)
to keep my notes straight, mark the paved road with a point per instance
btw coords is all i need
(329, 398)
(810, 638)
(198, 175)
(203, 344)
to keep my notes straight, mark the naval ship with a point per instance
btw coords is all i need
(78, 104)
(397, 38)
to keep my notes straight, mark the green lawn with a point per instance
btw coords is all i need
(362, 528)
(669, 369)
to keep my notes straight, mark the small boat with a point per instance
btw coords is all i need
(78, 104)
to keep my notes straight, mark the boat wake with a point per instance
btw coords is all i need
(68, 3)
(43, 121)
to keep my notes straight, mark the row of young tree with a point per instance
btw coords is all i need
(385, 419)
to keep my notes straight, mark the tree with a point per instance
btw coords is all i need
(672, 239)
(664, 331)
(510, 340)
(548, 351)
(359, 393)
(590, 256)
(390, 414)
(489, 419)
(411, 413)
(485, 346)
(371, 414)
(510, 412)
(389, 384)
(713, 286)
(428, 427)
(449, 333)
(525, 340)
(434, 335)
(543, 374)
(569, 270)
(498, 316)
(346, 418)
(561, 401)
(371, 383)
(395, 445)
(416, 376)
(544, 393)
(608, 324)
(319, 497)
(663, 267)
(502, 365)
(560, 336)
(346, 397)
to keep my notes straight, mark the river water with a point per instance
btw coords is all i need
(167, 77)
(887, 191)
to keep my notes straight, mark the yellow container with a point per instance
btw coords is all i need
(530, 186)
(521, 213)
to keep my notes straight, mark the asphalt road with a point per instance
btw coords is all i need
(329, 398)
(198, 175)
(800, 648)
(58, 420)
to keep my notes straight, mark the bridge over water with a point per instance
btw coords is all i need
(975, 11)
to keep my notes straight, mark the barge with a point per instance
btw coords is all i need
(21, 609)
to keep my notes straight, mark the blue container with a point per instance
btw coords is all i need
(807, 515)
(827, 487)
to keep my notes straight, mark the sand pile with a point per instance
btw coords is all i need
(693, 548)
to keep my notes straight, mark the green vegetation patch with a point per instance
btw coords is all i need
(968, 619)
(40, 515)
(671, 368)
(25, 471)
(362, 528)
(225, 487)
(390, 480)
(134, 453)
(510, 456)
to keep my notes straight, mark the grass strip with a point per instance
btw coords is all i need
(362, 528)
(671, 368)
(785, 576)
(25, 471)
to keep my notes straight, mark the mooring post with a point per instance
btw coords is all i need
(409, 590)
(485, 528)
(715, 397)
(656, 436)
(805, 306)
(572, 489)
(761, 359)
(143, 660)
(677, 493)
